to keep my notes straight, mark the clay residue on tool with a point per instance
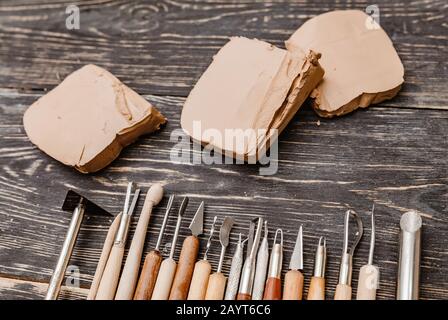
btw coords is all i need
(89, 118)
(361, 65)
(250, 85)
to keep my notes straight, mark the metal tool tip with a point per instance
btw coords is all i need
(278, 232)
(183, 206)
(197, 224)
(323, 241)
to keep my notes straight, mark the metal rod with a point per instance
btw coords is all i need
(165, 219)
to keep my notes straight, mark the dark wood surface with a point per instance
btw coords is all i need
(393, 154)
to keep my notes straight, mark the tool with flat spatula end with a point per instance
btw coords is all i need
(201, 273)
(273, 289)
(217, 281)
(293, 287)
(317, 283)
(235, 271)
(188, 257)
(129, 275)
(151, 266)
(168, 267)
(369, 274)
(261, 266)
(109, 280)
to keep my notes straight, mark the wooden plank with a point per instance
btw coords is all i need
(163, 47)
(396, 158)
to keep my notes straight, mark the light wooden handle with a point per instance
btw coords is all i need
(148, 276)
(109, 280)
(293, 288)
(317, 289)
(343, 292)
(199, 281)
(273, 289)
(216, 286)
(107, 247)
(187, 259)
(243, 296)
(164, 280)
(369, 276)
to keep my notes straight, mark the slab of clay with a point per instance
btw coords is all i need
(250, 84)
(87, 119)
(360, 62)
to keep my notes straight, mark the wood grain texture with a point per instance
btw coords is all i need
(394, 154)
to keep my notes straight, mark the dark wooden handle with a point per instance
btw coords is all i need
(185, 267)
(243, 296)
(148, 276)
(273, 289)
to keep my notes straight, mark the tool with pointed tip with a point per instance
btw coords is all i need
(369, 274)
(168, 266)
(235, 271)
(111, 274)
(151, 266)
(217, 281)
(79, 205)
(261, 266)
(201, 273)
(273, 290)
(248, 272)
(317, 283)
(188, 256)
(344, 289)
(293, 287)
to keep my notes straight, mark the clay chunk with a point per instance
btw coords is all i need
(360, 62)
(250, 88)
(89, 118)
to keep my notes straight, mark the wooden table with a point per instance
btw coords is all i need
(393, 154)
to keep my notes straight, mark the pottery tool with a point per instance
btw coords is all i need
(248, 272)
(111, 274)
(262, 266)
(369, 274)
(79, 205)
(344, 289)
(293, 287)
(188, 256)
(150, 270)
(201, 273)
(217, 281)
(235, 271)
(107, 246)
(129, 275)
(409, 259)
(168, 266)
(273, 290)
(317, 283)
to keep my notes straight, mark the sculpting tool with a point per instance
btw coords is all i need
(344, 289)
(79, 205)
(150, 270)
(273, 290)
(235, 271)
(369, 274)
(317, 284)
(262, 266)
(248, 272)
(109, 280)
(168, 267)
(188, 256)
(217, 281)
(293, 287)
(201, 273)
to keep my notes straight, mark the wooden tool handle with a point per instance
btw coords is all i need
(343, 292)
(317, 289)
(293, 288)
(187, 259)
(109, 280)
(243, 296)
(368, 282)
(164, 280)
(199, 281)
(273, 289)
(216, 287)
(107, 247)
(148, 276)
